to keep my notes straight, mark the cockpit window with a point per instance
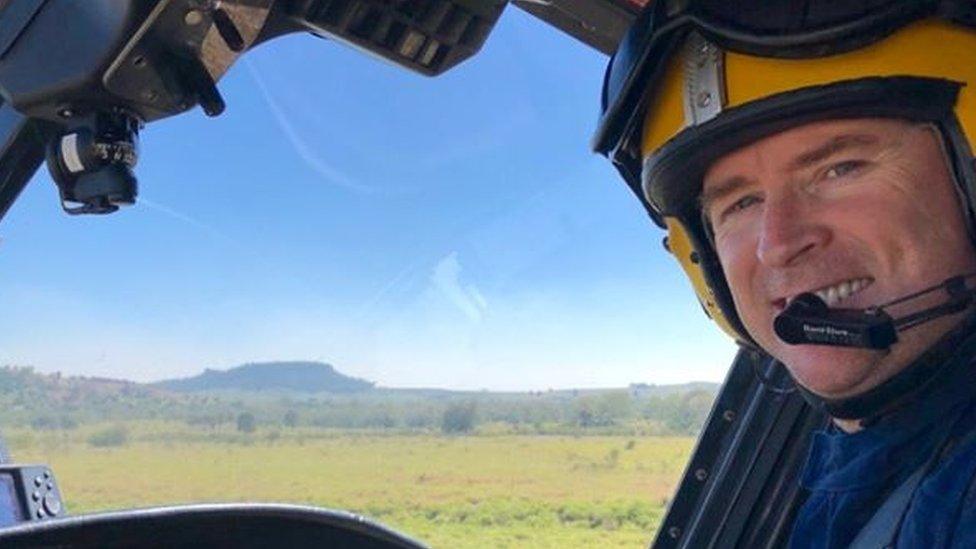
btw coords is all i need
(420, 299)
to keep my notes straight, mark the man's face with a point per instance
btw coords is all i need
(861, 211)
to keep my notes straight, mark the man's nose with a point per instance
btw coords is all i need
(788, 234)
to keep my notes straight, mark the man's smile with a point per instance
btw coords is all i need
(832, 293)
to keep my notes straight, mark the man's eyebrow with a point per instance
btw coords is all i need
(831, 147)
(720, 190)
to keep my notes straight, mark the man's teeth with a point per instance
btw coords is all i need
(837, 292)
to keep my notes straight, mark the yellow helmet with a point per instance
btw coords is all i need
(695, 79)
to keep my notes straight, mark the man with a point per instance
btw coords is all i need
(796, 148)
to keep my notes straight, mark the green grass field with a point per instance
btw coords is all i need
(474, 491)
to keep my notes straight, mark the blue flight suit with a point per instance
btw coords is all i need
(849, 476)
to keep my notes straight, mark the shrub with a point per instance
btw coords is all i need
(246, 422)
(459, 417)
(290, 419)
(47, 422)
(117, 435)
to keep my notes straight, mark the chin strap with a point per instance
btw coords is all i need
(900, 389)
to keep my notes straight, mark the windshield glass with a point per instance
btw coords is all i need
(457, 319)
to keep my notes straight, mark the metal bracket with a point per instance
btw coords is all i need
(704, 91)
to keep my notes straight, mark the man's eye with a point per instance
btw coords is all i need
(843, 168)
(739, 205)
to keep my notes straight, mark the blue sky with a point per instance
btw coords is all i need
(452, 232)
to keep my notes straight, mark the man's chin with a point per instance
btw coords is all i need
(832, 372)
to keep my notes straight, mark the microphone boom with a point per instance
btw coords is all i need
(808, 320)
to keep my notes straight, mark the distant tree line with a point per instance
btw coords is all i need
(55, 402)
